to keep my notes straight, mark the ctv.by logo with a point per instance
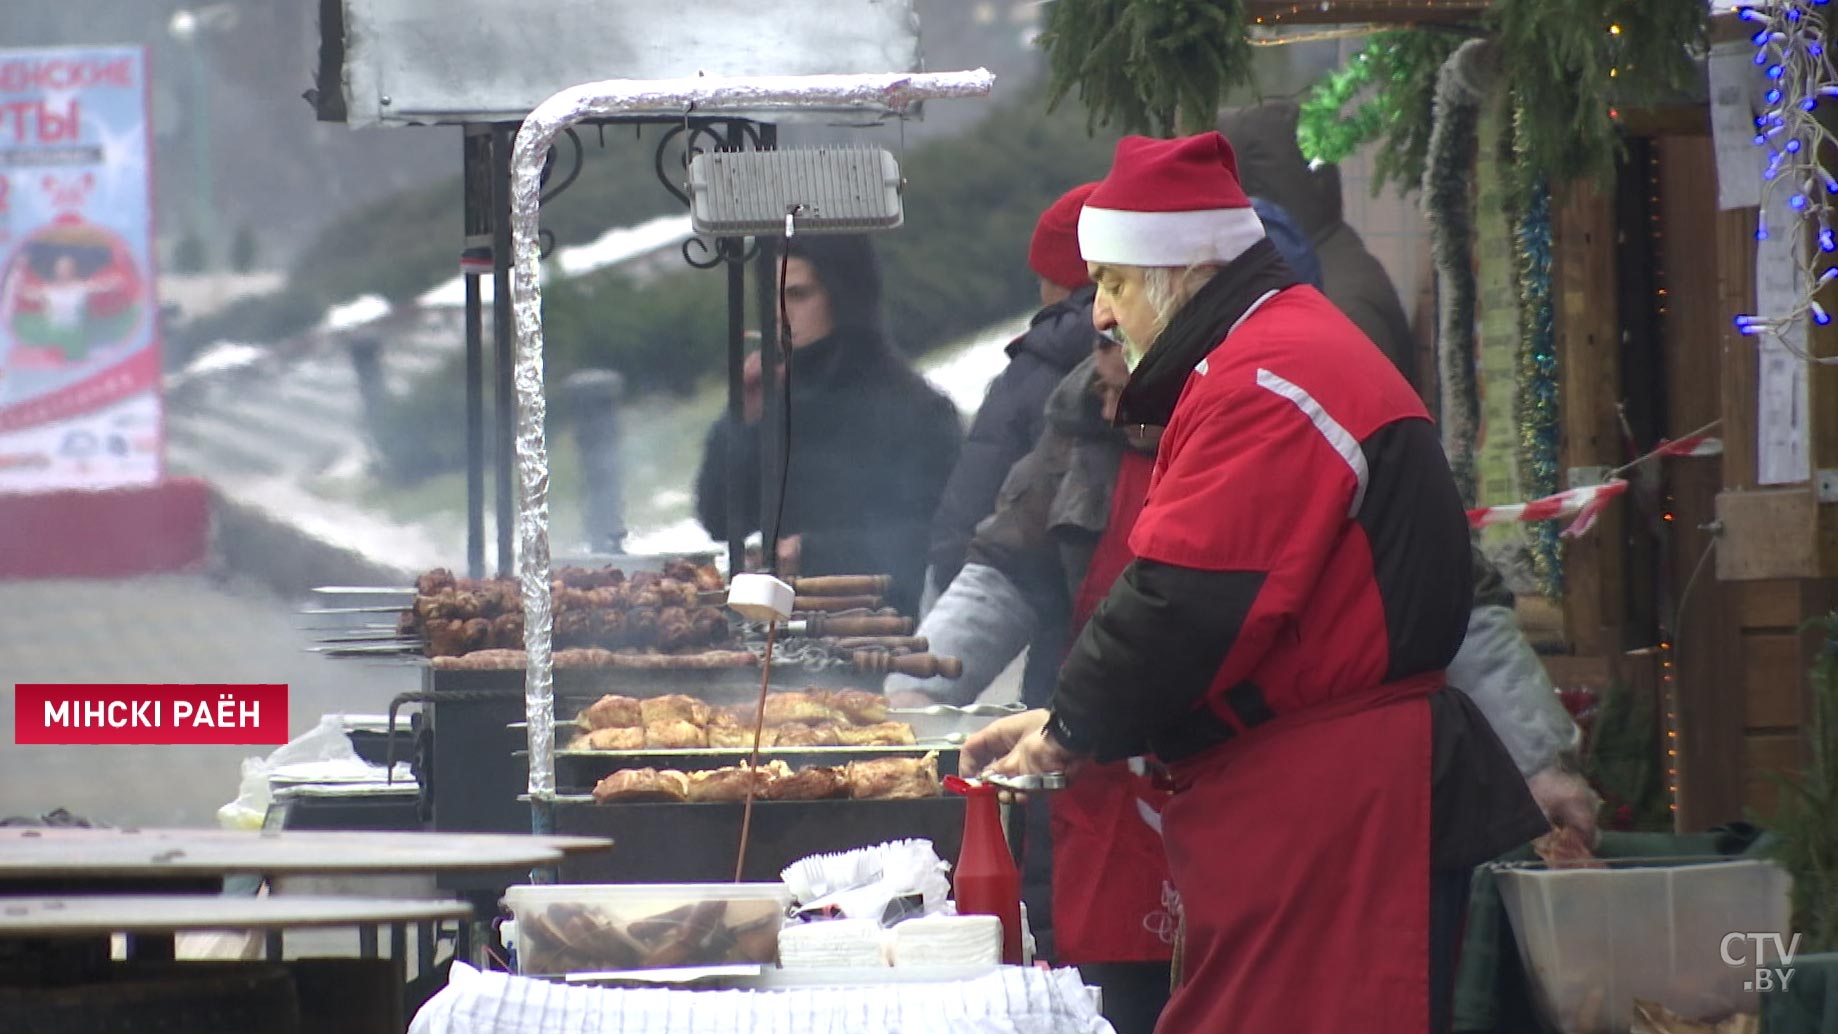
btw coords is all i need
(1735, 948)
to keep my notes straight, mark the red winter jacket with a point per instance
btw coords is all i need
(1302, 539)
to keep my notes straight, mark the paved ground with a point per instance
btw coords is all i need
(179, 628)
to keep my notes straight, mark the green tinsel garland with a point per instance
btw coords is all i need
(1403, 64)
(1152, 66)
(1559, 55)
(1449, 207)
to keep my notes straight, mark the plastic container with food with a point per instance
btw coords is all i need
(592, 927)
(1593, 940)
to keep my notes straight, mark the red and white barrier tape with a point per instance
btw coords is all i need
(1584, 503)
(1587, 503)
(1695, 445)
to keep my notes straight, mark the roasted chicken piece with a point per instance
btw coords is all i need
(574, 628)
(610, 739)
(507, 632)
(674, 736)
(500, 597)
(858, 705)
(674, 708)
(894, 779)
(798, 734)
(451, 637)
(611, 711)
(675, 632)
(730, 784)
(643, 784)
(434, 582)
(799, 707)
(741, 736)
(711, 625)
(816, 783)
(883, 734)
(640, 629)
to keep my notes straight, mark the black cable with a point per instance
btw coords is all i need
(784, 335)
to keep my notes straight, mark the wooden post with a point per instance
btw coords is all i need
(1588, 335)
(1706, 642)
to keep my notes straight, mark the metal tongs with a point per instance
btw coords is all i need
(967, 711)
(1033, 782)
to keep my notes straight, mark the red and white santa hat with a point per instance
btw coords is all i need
(1169, 203)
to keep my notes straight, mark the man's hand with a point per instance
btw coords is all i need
(1566, 800)
(752, 398)
(1017, 745)
(791, 551)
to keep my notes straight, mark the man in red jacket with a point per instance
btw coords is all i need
(1295, 585)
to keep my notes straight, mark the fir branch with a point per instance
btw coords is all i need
(1147, 66)
(1568, 64)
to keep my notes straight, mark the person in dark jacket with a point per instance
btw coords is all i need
(871, 441)
(1270, 165)
(1009, 420)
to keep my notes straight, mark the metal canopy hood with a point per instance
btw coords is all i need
(423, 62)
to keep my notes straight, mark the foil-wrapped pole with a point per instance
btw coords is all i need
(709, 95)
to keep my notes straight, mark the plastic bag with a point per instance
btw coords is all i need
(324, 742)
(863, 883)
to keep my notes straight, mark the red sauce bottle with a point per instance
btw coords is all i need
(986, 881)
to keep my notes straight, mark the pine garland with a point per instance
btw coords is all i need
(1150, 66)
(1449, 207)
(1569, 60)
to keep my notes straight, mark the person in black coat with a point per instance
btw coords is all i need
(871, 441)
(1010, 419)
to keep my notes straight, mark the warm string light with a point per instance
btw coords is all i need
(1790, 47)
(1669, 691)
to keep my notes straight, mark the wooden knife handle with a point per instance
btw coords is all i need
(914, 643)
(917, 665)
(835, 603)
(820, 625)
(843, 585)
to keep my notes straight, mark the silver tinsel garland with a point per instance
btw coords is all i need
(1448, 205)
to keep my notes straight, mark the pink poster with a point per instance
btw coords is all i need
(79, 331)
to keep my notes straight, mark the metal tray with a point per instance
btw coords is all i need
(581, 769)
(676, 843)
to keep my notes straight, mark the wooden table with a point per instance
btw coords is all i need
(65, 861)
(140, 855)
(142, 916)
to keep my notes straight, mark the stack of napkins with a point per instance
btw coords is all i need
(935, 940)
(833, 944)
(941, 940)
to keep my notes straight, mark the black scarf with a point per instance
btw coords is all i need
(1196, 329)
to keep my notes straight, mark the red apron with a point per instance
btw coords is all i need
(1302, 853)
(1112, 898)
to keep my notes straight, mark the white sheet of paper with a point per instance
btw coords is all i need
(1781, 399)
(1735, 88)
